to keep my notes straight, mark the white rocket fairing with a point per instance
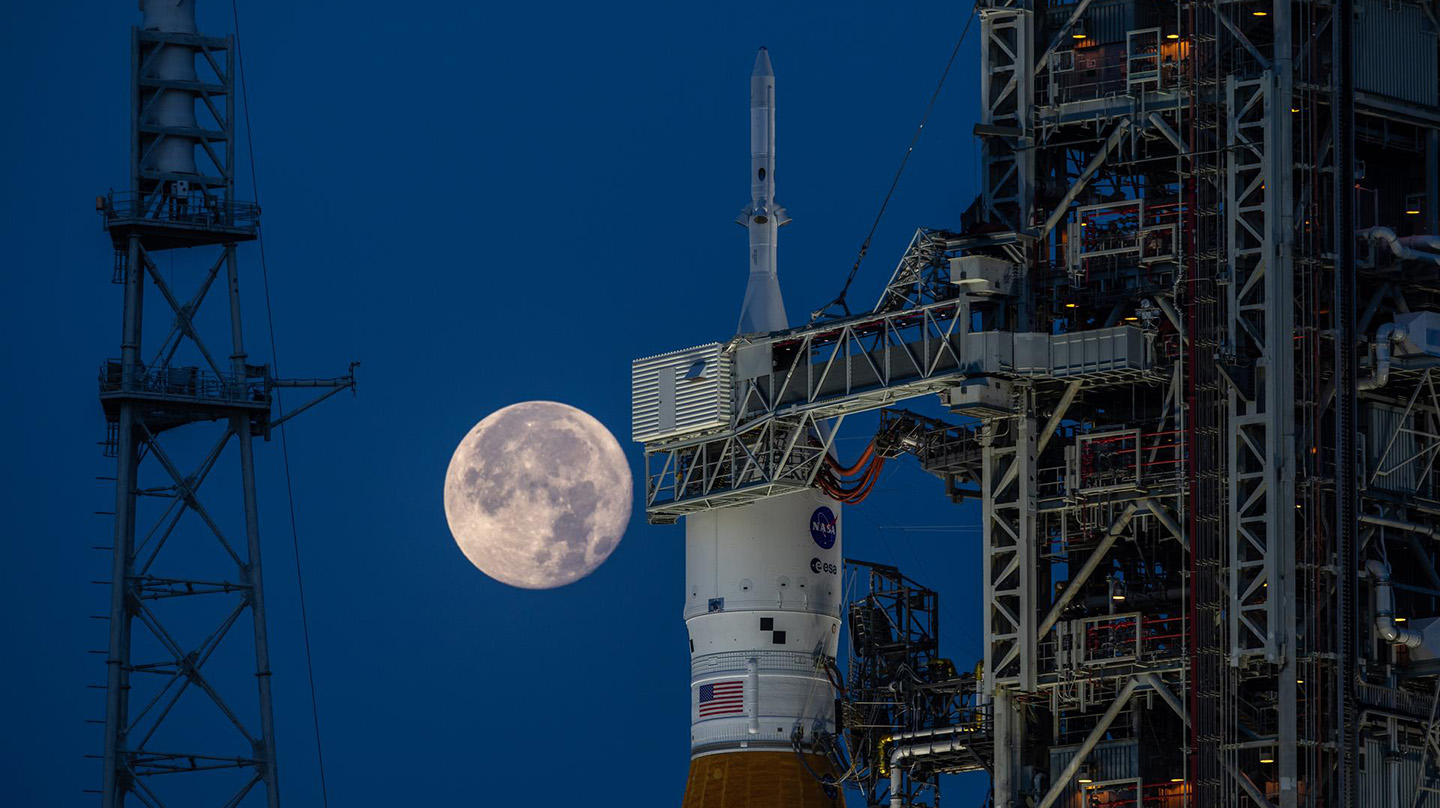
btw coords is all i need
(762, 582)
(763, 309)
(762, 608)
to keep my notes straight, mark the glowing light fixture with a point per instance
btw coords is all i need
(1412, 212)
(1069, 305)
(1077, 36)
(1172, 36)
(1177, 779)
(1267, 760)
(1260, 13)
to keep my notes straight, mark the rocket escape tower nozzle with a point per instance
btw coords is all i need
(763, 309)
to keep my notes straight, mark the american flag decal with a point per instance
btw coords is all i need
(722, 698)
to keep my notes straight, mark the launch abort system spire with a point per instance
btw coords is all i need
(763, 309)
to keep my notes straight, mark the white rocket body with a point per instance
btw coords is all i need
(762, 581)
(763, 309)
(762, 607)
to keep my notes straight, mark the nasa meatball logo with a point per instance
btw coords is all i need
(822, 527)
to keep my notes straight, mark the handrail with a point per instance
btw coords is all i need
(193, 210)
(184, 383)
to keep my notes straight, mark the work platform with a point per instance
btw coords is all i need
(166, 221)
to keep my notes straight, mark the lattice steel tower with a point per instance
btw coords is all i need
(170, 549)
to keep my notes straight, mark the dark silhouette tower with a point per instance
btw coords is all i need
(186, 577)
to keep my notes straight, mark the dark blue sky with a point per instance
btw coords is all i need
(485, 203)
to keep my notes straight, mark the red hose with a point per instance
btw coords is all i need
(849, 470)
(860, 490)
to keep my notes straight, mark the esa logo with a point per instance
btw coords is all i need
(818, 566)
(822, 527)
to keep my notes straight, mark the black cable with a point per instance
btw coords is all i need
(865, 245)
(284, 444)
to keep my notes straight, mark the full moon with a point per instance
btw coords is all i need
(538, 494)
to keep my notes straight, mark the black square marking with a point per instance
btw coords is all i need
(778, 638)
(767, 624)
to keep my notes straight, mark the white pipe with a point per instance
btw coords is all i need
(752, 683)
(1166, 695)
(1428, 242)
(1385, 626)
(1168, 522)
(927, 733)
(914, 750)
(1384, 336)
(1061, 407)
(1247, 784)
(1168, 309)
(1063, 207)
(1408, 527)
(1396, 244)
(1393, 757)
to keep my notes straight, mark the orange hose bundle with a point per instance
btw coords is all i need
(832, 480)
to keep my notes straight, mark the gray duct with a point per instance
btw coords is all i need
(921, 744)
(1385, 625)
(1402, 248)
(1385, 336)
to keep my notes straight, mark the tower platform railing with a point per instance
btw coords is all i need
(207, 218)
(190, 384)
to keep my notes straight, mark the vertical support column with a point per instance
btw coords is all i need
(229, 126)
(135, 112)
(1007, 71)
(1009, 734)
(1007, 77)
(1009, 568)
(117, 677)
(1347, 556)
(1258, 328)
(1280, 320)
(253, 579)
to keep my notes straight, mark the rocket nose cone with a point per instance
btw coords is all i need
(762, 64)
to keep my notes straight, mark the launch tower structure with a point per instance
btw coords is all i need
(1190, 332)
(172, 407)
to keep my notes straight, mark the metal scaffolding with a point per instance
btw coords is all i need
(1189, 332)
(186, 573)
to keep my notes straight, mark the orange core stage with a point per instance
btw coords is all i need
(755, 780)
